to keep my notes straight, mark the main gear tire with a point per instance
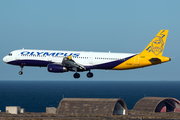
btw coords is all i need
(76, 75)
(89, 74)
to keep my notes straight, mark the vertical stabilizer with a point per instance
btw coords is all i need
(156, 46)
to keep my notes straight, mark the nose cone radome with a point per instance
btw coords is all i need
(5, 59)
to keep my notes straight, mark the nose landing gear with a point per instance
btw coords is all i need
(21, 72)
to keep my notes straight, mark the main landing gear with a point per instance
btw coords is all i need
(21, 72)
(76, 75)
(89, 75)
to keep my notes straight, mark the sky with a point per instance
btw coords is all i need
(124, 26)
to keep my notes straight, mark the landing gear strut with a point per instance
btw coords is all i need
(89, 74)
(21, 72)
(76, 75)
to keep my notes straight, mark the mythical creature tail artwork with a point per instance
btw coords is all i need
(156, 46)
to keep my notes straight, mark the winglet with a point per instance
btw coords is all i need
(69, 57)
(156, 46)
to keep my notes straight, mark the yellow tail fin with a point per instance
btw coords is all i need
(156, 46)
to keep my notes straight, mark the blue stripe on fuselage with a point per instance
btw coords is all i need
(30, 63)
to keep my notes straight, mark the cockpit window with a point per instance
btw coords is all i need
(10, 54)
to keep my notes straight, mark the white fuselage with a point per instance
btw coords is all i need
(27, 57)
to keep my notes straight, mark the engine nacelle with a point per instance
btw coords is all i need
(56, 68)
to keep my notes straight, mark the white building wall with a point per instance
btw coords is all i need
(13, 109)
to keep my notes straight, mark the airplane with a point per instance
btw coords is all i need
(64, 61)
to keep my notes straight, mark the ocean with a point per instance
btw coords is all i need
(35, 96)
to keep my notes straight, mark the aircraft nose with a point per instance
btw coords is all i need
(5, 59)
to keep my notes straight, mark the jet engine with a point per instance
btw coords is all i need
(56, 68)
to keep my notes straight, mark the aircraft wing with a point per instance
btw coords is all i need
(69, 63)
